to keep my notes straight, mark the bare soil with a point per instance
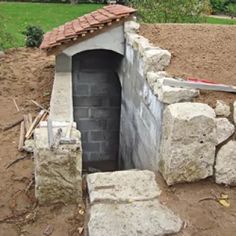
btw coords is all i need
(206, 52)
(27, 74)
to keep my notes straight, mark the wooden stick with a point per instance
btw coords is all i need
(34, 124)
(22, 136)
(15, 161)
(30, 119)
(14, 101)
(27, 124)
(13, 124)
(39, 105)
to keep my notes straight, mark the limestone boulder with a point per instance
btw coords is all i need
(156, 59)
(188, 142)
(224, 129)
(132, 26)
(234, 112)
(58, 170)
(169, 95)
(222, 109)
(225, 168)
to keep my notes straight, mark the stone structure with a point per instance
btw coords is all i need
(126, 203)
(58, 176)
(225, 169)
(188, 142)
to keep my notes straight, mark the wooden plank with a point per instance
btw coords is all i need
(34, 124)
(39, 105)
(14, 101)
(30, 119)
(22, 136)
(199, 85)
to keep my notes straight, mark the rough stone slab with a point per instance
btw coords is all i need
(58, 169)
(224, 129)
(131, 27)
(188, 142)
(148, 218)
(156, 59)
(131, 185)
(222, 109)
(225, 169)
(169, 95)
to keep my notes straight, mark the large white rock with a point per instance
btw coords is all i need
(169, 95)
(225, 168)
(188, 142)
(145, 218)
(234, 112)
(224, 129)
(222, 109)
(58, 170)
(122, 186)
(156, 59)
(131, 27)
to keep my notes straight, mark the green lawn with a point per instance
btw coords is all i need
(212, 20)
(47, 15)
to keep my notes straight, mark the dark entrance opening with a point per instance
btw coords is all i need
(97, 103)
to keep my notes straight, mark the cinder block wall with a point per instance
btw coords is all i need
(141, 116)
(97, 101)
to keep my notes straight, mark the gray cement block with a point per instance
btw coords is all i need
(89, 124)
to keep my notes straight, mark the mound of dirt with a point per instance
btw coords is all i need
(26, 74)
(205, 52)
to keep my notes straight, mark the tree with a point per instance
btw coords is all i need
(173, 11)
(231, 10)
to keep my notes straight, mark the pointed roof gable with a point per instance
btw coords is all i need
(85, 25)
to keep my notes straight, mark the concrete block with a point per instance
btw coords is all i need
(81, 112)
(58, 170)
(87, 125)
(225, 168)
(146, 218)
(188, 142)
(91, 147)
(131, 185)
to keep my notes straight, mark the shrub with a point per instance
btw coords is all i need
(231, 9)
(34, 36)
(173, 11)
(218, 6)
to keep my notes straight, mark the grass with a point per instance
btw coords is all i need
(212, 20)
(47, 15)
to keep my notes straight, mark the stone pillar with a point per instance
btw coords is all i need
(58, 170)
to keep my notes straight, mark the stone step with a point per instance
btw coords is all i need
(125, 203)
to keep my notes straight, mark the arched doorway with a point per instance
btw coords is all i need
(97, 102)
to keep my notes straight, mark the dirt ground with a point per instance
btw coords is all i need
(28, 74)
(205, 52)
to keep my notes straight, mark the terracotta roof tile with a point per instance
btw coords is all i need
(85, 24)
